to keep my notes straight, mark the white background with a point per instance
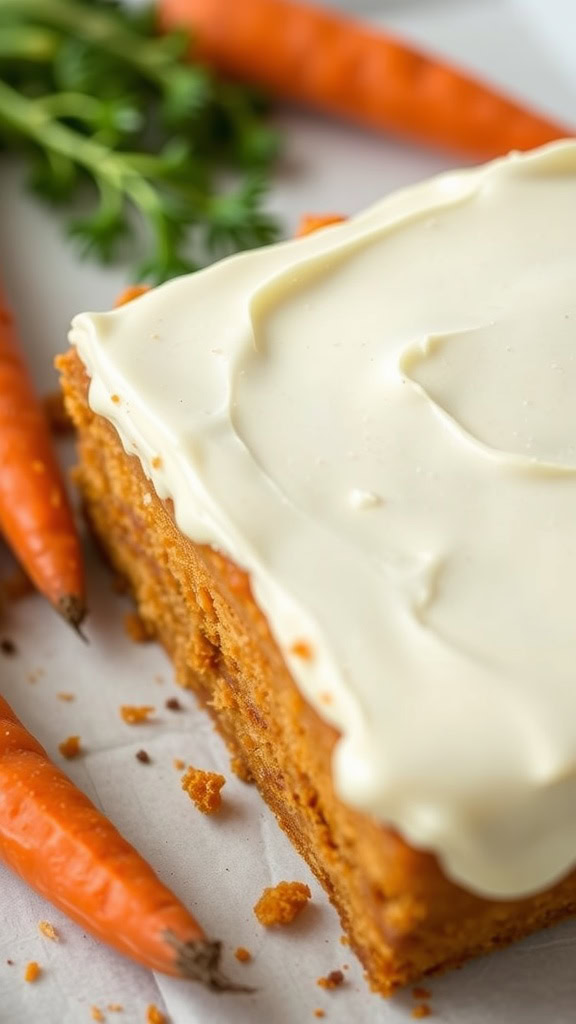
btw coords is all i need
(220, 866)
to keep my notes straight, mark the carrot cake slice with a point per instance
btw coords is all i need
(339, 475)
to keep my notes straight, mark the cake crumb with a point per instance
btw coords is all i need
(332, 980)
(116, 399)
(134, 715)
(302, 649)
(32, 972)
(115, 1007)
(10, 963)
(96, 1013)
(241, 770)
(16, 586)
(48, 930)
(119, 584)
(173, 704)
(156, 462)
(204, 789)
(8, 647)
(280, 904)
(136, 628)
(243, 955)
(421, 993)
(56, 413)
(70, 748)
(319, 1013)
(133, 291)
(179, 764)
(143, 756)
(66, 697)
(421, 1011)
(155, 1016)
(344, 940)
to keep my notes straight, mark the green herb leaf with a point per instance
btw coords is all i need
(90, 95)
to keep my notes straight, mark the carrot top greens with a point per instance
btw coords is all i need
(91, 96)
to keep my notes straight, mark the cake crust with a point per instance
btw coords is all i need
(403, 917)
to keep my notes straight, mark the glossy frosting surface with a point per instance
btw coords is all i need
(379, 423)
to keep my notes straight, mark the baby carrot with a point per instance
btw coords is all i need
(318, 57)
(35, 515)
(58, 842)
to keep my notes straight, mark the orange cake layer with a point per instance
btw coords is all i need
(404, 918)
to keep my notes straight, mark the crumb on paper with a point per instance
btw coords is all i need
(115, 1008)
(203, 788)
(319, 1013)
(10, 963)
(16, 586)
(66, 697)
(344, 940)
(115, 398)
(179, 764)
(421, 1011)
(143, 756)
(96, 1013)
(282, 903)
(134, 715)
(173, 704)
(156, 462)
(332, 980)
(119, 584)
(136, 628)
(243, 955)
(8, 647)
(70, 748)
(159, 679)
(32, 972)
(56, 413)
(155, 1016)
(421, 993)
(302, 649)
(48, 930)
(35, 675)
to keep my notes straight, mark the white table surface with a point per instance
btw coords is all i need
(220, 866)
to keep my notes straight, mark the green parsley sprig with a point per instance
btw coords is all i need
(90, 95)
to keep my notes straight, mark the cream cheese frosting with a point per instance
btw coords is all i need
(378, 422)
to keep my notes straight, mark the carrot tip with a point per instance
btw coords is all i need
(199, 960)
(73, 611)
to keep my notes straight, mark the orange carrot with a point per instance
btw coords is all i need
(58, 842)
(317, 57)
(311, 222)
(35, 515)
